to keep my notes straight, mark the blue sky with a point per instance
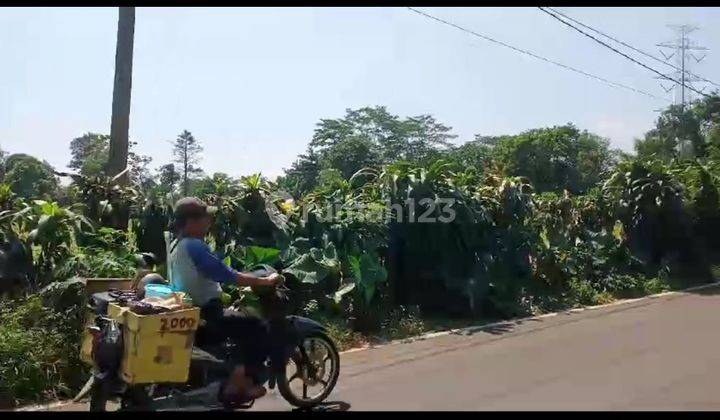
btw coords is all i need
(252, 83)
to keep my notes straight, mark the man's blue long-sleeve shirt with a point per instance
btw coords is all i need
(194, 269)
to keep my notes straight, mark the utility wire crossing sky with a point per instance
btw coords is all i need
(660, 60)
(252, 83)
(625, 55)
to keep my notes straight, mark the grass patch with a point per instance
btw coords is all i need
(343, 336)
(402, 322)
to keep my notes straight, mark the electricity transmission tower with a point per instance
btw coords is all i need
(681, 48)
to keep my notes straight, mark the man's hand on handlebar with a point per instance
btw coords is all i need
(247, 279)
(274, 279)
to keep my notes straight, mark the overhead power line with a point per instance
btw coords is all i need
(663, 76)
(631, 47)
(516, 49)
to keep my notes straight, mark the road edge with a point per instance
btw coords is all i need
(434, 334)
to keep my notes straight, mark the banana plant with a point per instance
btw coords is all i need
(107, 201)
(642, 189)
(7, 197)
(48, 229)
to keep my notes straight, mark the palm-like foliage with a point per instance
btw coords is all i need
(48, 229)
(648, 199)
(491, 245)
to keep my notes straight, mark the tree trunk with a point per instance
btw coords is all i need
(120, 122)
(185, 170)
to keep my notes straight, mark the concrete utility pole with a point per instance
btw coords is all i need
(120, 122)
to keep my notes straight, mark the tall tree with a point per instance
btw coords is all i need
(89, 157)
(707, 110)
(120, 122)
(302, 176)
(349, 155)
(89, 154)
(372, 135)
(168, 178)
(187, 153)
(474, 154)
(28, 177)
(425, 136)
(2, 164)
(139, 171)
(555, 158)
(489, 140)
(653, 146)
(676, 132)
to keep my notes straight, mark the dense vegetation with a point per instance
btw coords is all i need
(546, 219)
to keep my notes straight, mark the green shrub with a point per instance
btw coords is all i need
(403, 322)
(582, 293)
(655, 285)
(39, 352)
(96, 262)
(342, 334)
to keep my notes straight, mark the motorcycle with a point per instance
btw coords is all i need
(305, 371)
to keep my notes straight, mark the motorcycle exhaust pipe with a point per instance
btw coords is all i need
(95, 332)
(85, 389)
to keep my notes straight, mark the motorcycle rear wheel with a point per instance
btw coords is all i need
(331, 355)
(99, 396)
(134, 398)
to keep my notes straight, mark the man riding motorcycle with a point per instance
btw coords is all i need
(194, 269)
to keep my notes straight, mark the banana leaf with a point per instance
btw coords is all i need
(368, 274)
(315, 265)
(256, 255)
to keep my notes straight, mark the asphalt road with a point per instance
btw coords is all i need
(656, 354)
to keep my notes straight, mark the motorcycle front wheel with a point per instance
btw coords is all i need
(306, 382)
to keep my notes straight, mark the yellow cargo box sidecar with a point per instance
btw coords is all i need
(158, 347)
